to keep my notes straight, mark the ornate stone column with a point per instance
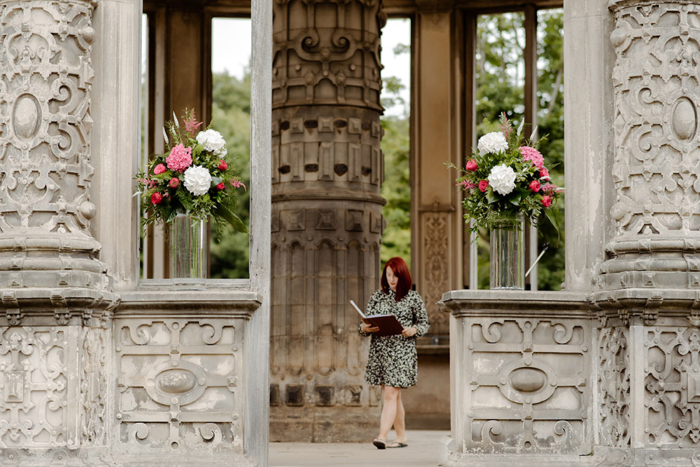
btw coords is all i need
(649, 390)
(55, 292)
(326, 215)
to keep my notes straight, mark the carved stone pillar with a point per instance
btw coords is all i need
(55, 292)
(657, 210)
(649, 388)
(326, 215)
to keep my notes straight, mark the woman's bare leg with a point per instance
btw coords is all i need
(391, 396)
(400, 421)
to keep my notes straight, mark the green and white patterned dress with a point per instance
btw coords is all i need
(393, 360)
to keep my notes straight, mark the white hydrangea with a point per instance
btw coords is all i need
(212, 142)
(502, 179)
(492, 143)
(197, 180)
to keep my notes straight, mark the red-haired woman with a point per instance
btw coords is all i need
(393, 362)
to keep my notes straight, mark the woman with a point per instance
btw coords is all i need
(393, 362)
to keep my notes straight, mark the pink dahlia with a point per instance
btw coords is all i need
(180, 158)
(532, 155)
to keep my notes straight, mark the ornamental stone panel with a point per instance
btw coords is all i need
(327, 171)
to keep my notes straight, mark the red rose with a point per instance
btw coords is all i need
(544, 173)
(174, 183)
(534, 186)
(483, 185)
(160, 168)
(220, 186)
(546, 201)
(471, 165)
(223, 166)
(156, 198)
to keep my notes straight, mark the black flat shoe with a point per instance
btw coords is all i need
(379, 443)
(397, 444)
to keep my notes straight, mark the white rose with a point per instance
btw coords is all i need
(492, 143)
(501, 179)
(197, 180)
(213, 142)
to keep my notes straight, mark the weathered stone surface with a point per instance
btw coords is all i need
(522, 372)
(656, 79)
(327, 170)
(180, 376)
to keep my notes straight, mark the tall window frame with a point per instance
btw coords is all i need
(469, 18)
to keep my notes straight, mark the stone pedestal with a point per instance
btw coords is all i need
(327, 170)
(521, 375)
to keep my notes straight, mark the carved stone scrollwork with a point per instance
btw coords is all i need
(657, 211)
(614, 387)
(178, 383)
(45, 168)
(436, 268)
(521, 399)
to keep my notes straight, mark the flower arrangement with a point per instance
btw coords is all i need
(194, 177)
(506, 176)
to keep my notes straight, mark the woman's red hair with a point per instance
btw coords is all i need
(401, 271)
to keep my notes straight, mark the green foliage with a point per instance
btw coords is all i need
(231, 114)
(396, 189)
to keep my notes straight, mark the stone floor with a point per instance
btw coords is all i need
(422, 450)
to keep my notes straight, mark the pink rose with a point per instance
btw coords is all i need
(472, 166)
(160, 168)
(156, 198)
(220, 186)
(483, 185)
(544, 173)
(174, 183)
(546, 201)
(534, 186)
(223, 166)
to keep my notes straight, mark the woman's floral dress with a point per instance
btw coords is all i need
(393, 360)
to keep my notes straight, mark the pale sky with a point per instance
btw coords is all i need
(231, 50)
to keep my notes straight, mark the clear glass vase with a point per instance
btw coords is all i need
(508, 253)
(187, 239)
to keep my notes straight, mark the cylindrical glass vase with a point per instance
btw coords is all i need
(187, 239)
(508, 253)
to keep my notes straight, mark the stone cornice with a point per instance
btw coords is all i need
(208, 303)
(491, 303)
(51, 307)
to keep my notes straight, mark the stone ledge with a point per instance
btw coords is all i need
(239, 303)
(494, 303)
(648, 304)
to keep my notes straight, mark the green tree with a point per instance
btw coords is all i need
(500, 78)
(229, 255)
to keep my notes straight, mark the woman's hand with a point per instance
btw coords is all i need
(369, 328)
(409, 332)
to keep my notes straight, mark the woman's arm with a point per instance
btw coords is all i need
(370, 306)
(420, 317)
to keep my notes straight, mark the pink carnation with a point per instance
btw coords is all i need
(532, 155)
(180, 158)
(159, 169)
(238, 184)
